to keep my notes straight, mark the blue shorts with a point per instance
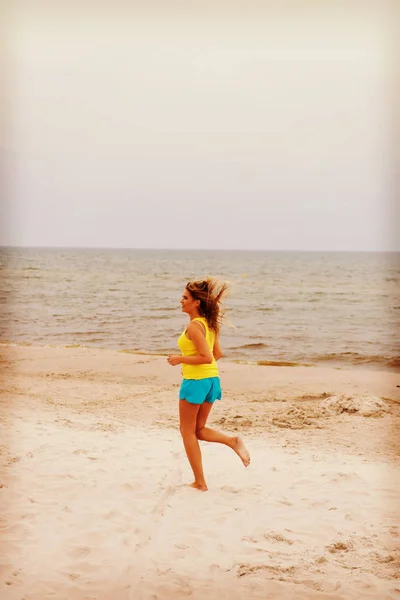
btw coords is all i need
(197, 391)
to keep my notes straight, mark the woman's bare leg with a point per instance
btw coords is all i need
(212, 435)
(188, 418)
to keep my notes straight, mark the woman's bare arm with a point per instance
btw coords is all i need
(217, 351)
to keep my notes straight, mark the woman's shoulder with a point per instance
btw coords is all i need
(199, 323)
(202, 323)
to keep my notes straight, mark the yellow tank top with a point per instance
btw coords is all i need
(188, 348)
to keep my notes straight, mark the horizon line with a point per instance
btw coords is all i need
(163, 249)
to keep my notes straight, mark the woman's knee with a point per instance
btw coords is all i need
(187, 431)
(199, 433)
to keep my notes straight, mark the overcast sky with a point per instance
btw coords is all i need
(209, 128)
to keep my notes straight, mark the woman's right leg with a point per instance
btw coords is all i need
(207, 434)
(188, 417)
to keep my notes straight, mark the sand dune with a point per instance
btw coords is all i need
(93, 498)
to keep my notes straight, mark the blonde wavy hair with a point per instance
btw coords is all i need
(210, 292)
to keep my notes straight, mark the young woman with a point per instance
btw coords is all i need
(200, 348)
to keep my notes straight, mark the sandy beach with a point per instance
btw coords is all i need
(93, 502)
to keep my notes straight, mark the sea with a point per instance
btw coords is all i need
(284, 308)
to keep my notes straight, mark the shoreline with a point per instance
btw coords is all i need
(237, 376)
(392, 365)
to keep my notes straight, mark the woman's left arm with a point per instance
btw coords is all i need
(217, 350)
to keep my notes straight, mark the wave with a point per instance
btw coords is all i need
(255, 346)
(13, 343)
(354, 358)
(393, 363)
(337, 359)
(74, 346)
(281, 363)
(157, 317)
(88, 332)
(143, 353)
(345, 359)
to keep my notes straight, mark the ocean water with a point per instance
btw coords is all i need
(341, 309)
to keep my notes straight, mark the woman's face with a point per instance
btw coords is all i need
(188, 303)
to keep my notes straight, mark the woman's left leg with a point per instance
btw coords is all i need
(212, 435)
(188, 418)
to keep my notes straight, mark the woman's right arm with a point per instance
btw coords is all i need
(217, 351)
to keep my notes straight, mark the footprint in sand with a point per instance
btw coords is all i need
(272, 536)
(320, 560)
(277, 537)
(340, 546)
(111, 514)
(230, 489)
(79, 552)
(270, 571)
(285, 502)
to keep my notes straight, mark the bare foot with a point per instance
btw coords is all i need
(241, 451)
(197, 486)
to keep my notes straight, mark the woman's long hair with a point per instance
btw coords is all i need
(210, 293)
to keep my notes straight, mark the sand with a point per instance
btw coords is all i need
(93, 502)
